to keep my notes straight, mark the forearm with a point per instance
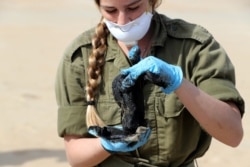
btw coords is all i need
(221, 120)
(84, 152)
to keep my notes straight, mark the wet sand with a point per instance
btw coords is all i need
(33, 36)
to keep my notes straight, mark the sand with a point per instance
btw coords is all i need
(33, 36)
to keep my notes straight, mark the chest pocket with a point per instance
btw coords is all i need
(109, 111)
(168, 106)
(167, 117)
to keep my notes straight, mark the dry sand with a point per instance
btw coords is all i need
(33, 36)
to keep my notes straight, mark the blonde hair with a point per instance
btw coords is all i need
(153, 3)
(96, 63)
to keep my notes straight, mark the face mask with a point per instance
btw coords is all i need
(131, 32)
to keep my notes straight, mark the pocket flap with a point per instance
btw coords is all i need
(168, 106)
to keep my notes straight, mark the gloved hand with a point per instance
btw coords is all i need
(168, 76)
(124, 144)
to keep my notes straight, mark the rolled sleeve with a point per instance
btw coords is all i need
(71, 96)
(71, 120)
(215, 74)
(223, 90)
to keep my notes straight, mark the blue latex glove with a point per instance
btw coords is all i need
(168, 76)
(127, 144)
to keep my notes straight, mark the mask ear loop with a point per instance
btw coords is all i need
(149, 7)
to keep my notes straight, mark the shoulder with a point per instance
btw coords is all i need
(82, 40)
(182, 29)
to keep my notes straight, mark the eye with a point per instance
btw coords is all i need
(133, 8)
(110, 11)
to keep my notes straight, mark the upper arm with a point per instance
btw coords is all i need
(70, 95)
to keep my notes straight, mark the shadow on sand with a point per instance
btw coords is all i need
(17, 158)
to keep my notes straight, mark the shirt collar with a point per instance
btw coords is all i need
(160, 31)
(115, 53)
(159, 38)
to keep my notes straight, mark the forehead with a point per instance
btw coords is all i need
(118, 2)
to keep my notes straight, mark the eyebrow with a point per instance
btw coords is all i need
(103, 6)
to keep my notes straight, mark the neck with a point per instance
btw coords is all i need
(144, 44)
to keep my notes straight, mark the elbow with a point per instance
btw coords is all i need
(72, 159)
(238, 135)
(72, 163)
(235, 143)
(237, 139)
(231, 137)
(236, 128)
(73, 153)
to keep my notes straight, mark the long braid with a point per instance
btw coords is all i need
(96, 62)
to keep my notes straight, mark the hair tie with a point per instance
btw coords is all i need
(92, 102)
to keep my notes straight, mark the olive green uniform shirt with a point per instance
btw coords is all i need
(176, 137)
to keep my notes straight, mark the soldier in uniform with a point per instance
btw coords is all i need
(198, 99)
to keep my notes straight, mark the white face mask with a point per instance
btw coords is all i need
(131, 32)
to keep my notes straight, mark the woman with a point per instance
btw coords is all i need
(196, 101)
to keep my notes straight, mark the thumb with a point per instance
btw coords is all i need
(125, 71)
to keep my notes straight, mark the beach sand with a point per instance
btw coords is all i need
(33, 36)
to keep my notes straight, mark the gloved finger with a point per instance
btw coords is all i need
(132, 73)
(138, 68)
(125, 71)
(134, 54)
(113, 146)
(128, 82)
(130, 79)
